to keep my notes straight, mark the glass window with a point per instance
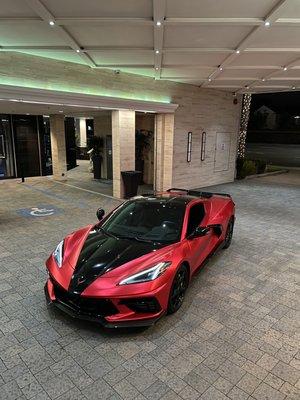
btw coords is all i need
(153, 220)
(196, 216)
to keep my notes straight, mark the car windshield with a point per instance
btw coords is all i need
(147, 220)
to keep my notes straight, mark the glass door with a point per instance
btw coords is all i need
(7, 169)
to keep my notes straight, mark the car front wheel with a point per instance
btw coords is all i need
(178, 289)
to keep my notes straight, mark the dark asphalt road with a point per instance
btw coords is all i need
(287, 155)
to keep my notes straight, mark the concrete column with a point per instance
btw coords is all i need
(164, 142)
(123, 143)
(58, 147)
(102, 128)
(80, 124)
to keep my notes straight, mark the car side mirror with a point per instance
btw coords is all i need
(100, 213)
(199, 231)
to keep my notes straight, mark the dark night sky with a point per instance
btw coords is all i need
(278, 102)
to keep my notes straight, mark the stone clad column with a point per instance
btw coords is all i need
(163, 153)
(123, 143)
(58, 146)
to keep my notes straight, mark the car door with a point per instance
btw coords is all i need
(199, 246)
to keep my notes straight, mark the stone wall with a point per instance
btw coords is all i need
(199, 109)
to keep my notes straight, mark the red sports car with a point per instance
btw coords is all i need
(135, 264)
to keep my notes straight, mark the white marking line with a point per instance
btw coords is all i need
(87, 190)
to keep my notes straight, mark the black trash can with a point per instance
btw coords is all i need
(131, 181)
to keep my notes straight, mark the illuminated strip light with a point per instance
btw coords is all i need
(53, 104)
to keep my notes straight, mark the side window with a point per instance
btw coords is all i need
(196, 215)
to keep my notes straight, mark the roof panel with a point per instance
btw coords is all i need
(15, 8)
(204, 36)
(98, 8)
(182, 58)
(122, 57)
(277, 36)
(29, 35)
(112, 35)
(219, 8)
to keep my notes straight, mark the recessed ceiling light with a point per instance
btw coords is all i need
(209, 79)
(157, 51)
(285, 68)
(237, 51)
(267, 23)
(294, 87)
(77, 51)
(158, 23)
(51, 23)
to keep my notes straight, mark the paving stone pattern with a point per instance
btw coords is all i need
(236, 336)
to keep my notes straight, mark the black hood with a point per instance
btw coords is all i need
(102, 253)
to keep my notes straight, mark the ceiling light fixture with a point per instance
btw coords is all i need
(267, 23)
(51, 23)
(263, 79)
(246, 87)
(156, 51)
(221, 69)
(209, 79)
(285, 68)
(158, 23)
(77, 51)
(156, 68)
(294, 87)
(237, 51)
(61, 111)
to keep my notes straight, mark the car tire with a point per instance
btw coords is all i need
(229, 233)
(178, 289)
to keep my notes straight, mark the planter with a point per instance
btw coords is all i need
(97, 160)
(131, 181)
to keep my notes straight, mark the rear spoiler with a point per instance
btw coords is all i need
(198, 193)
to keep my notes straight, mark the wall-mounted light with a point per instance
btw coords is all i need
(189, 147)
(203, 145)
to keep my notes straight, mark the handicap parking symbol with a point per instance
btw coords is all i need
(39, 211)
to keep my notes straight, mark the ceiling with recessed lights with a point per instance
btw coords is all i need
(234, 45)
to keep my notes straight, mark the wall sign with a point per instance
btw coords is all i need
(189, 147)
(203, 145)
(39, 211)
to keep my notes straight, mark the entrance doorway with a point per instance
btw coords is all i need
(28, 159)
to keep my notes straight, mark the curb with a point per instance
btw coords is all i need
(282, 171)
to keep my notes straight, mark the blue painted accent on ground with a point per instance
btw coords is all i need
(41, 210)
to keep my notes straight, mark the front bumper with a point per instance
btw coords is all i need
(115, 312)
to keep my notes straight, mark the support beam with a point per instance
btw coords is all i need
(159, 13)
(58, 147)
(123, 143)
(163, 153)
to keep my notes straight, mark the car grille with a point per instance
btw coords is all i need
(142, 305)
(89, 306)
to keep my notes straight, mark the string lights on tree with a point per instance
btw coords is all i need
(243, 125)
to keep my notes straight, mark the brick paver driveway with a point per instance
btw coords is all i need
(235, 337)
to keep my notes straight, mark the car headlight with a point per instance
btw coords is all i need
(148, 274)
(58, 253)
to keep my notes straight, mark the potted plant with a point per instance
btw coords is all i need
(97, 146)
